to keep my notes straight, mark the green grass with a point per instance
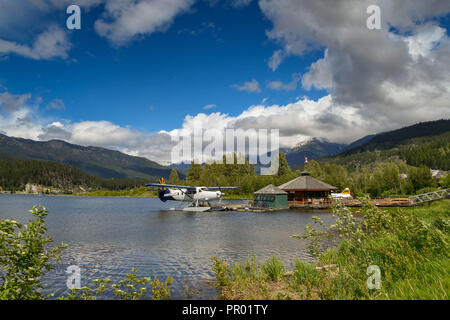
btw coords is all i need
(410, 246)
(138, 192)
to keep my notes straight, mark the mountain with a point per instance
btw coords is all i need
(359, 142)
(391, 139)
(425, 143)
(181, 167)
(92, 160)
(312, 149)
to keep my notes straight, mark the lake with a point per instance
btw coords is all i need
(109, 236)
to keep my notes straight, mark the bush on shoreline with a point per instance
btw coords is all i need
(410, 247)
(25, 258)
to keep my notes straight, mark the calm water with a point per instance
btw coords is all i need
(109, 236)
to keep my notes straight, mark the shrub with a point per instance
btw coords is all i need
(306, 273)
(273, 269)
(222, 271)
(25, 257)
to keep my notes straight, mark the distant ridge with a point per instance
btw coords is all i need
(93, 160)
(312, 149)
(425, 143)
(394, 138)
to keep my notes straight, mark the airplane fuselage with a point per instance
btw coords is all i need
(197, 194)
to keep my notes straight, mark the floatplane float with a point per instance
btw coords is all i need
(199, 197)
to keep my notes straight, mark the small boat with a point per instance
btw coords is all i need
(345, 194)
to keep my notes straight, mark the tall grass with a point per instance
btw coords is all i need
(410, 246)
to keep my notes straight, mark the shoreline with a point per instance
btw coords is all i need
(99, 196)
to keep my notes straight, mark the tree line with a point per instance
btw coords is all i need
(378, 178)
(15, 174)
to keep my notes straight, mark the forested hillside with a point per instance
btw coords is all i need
(400, 137)
(431, 151)
(93, 160)
(16, 174)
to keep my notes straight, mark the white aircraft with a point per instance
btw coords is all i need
(199, 197)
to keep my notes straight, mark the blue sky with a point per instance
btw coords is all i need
(152, 83)
(139, 67)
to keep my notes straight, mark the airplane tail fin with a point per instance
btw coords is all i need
(162, 191)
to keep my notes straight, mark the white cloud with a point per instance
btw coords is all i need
(389, 79)
(425, 40)
(240, 3)
(101, 133)
(56, 104)
(249, 86)
(27, 27)
(52, 43)
(278, 85)
(123, 21)
(276, 59)
(209, 106)
(12, 102)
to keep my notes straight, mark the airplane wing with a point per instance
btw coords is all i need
(159, 185)
(221, 188)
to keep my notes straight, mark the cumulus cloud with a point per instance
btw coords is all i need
(54, 131)
(12, 102)
(240, 3)
(123, 21)
(52, 43)
(276, 59)
(278, 85)
(56, 104)
(392, 77)
(249, 86)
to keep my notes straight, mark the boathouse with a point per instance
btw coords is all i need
(306, 191)
(270, 197)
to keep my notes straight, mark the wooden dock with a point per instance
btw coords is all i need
(326, 203)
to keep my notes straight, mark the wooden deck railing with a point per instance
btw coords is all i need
(327, 203)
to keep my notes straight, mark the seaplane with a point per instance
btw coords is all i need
(199, 197)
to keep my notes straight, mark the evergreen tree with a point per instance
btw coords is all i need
(283, 165)
(420, 177)
(173, 178)
(194, 173)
